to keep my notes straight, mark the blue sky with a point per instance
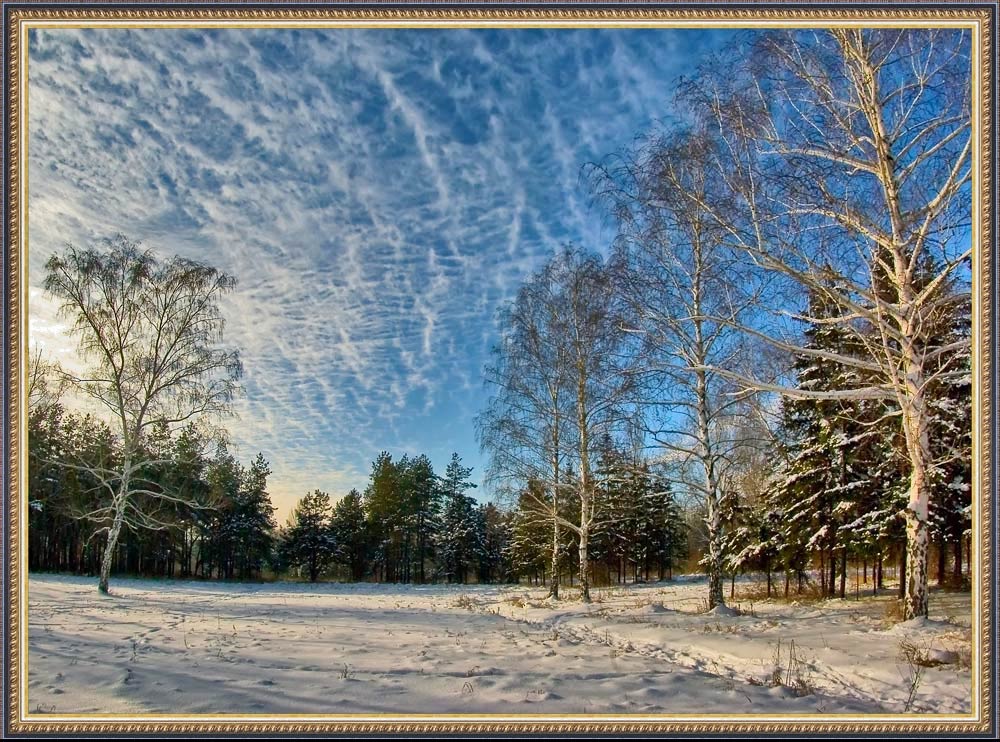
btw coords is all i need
(377, 193)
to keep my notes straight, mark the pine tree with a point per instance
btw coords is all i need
(217, 531)
(753, 540)
(828, 490)
(308, 543)
(951, 503)
(950, 403)
(459, 541)
(618, 538)
(530, 546)
(496, 525)
(188, 476)
(385, 515)
(250, 521)
(421, 501)
(630, 516)
(661, 523)
(149, 550)
(351, 537)
(642, 525)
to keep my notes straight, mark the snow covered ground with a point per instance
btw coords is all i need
(184, 648)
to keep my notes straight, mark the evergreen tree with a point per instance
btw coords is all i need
(530, 547)
(459, 541)
(188, 476)
(618, 542)
(149, 550)
(830, 486)
(217, 538)
(661, 523)
(420, 496)
(385, 516)
(951, 501)
(949, 400)
(250, 521)
(349, 529)
(308, 543)
(642, 528)
(494, 564)
(753, 543)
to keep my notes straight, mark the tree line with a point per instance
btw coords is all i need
(212, 518)
(145, 484)
(408, 526)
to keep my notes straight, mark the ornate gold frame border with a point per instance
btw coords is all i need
(18, 17)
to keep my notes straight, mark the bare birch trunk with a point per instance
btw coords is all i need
(116, 526)
(917, 530)
(554, 576)
(713, 517)
(585, 481)
(584, 577)
(556, 533)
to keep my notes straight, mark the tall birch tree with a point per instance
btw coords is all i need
(688, 292)
(846, 156)
(151, 332)
(592, 328)
(559, 389)
(524, 427)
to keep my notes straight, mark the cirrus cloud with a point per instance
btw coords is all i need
(377, 193)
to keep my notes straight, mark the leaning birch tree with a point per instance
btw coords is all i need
(846, 155)
(151, 332)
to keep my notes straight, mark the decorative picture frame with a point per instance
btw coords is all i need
(19, 18)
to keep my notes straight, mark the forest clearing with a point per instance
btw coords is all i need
(374, 649)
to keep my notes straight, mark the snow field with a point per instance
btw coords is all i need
(161, 647)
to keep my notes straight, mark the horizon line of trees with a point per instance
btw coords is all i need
(409, 525)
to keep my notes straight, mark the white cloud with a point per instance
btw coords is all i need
(377, 195)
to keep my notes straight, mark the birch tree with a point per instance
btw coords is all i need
(150, 331)
(592, 329)
(559, 389)
(688, 293)
(846, 156)
(524, 426)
